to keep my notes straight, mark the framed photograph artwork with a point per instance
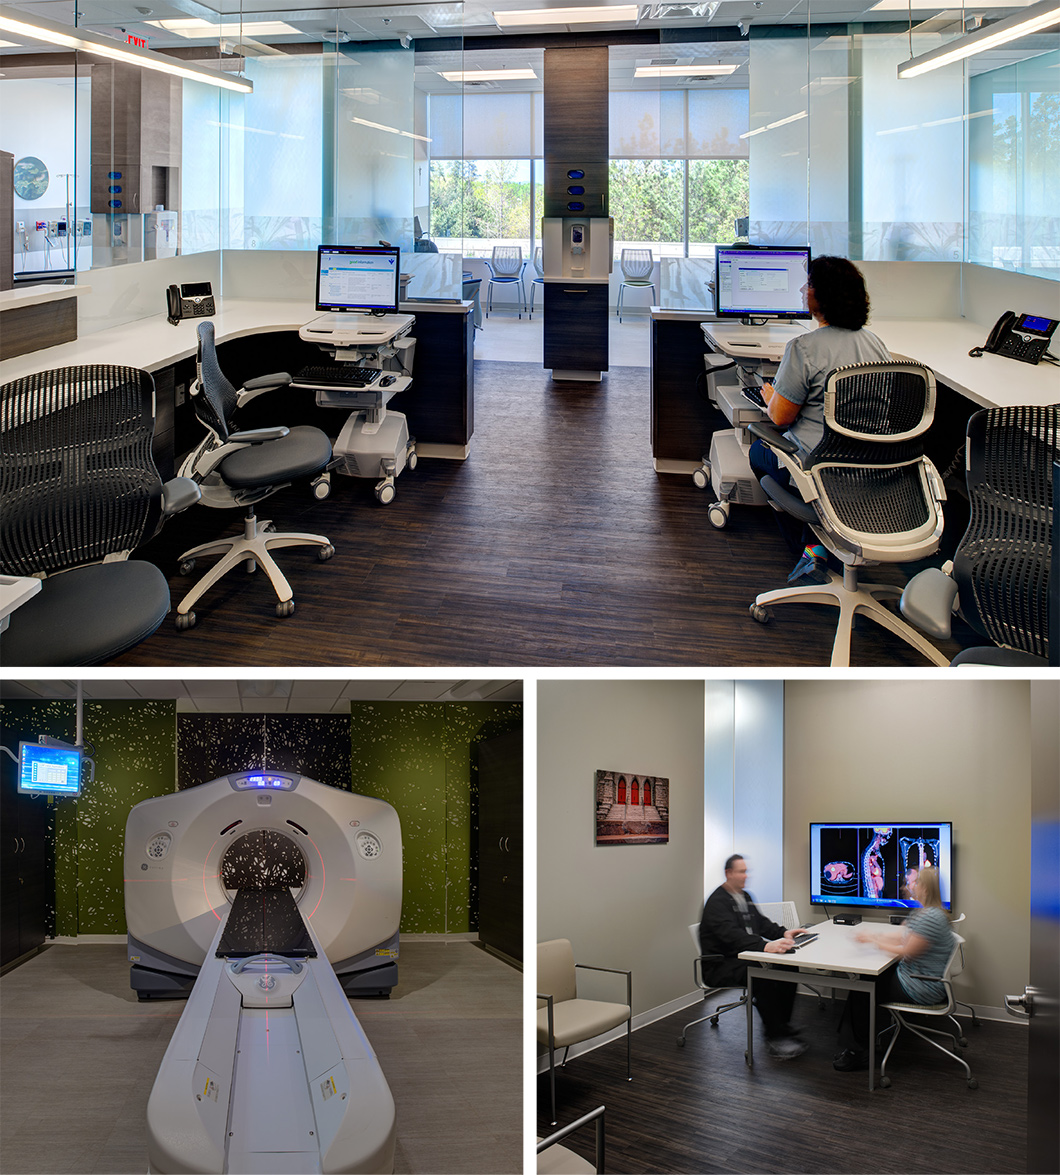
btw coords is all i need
(632, 809)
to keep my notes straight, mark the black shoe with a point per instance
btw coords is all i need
(852, 1061)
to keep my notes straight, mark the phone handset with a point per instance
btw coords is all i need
(1019, 336)
(998, 334)
(173, 306)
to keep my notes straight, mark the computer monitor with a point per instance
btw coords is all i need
(358, 278)
(875, 865)
(54, 770)
(761, 281)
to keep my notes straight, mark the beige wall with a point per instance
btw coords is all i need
(924, 750)
(620, 906)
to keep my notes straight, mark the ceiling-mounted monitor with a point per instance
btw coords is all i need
(49, 770)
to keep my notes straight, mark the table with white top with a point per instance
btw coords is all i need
(834, 959)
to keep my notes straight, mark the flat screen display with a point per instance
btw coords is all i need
(358, 278)
(876, 865)
(50, 770)
(761, 281)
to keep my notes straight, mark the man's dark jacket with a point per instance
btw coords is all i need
(722, 932)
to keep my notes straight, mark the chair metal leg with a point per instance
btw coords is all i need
(621, 291)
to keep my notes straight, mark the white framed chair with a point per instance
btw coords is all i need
(707, 989)
(553, 1159)
(506, 269)
(565, 1019)
(901, 1010)
(636, 266)
(786, 914)
(539, 269)
(958, 970)
(867, 491)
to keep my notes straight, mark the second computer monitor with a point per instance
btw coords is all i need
(358, 278)
(761, 281)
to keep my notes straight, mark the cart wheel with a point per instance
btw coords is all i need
(285, 608)
(325, 553)
(321, 487)
(413, 460)
(185, 620)
(718, 514)
(187, 566)
(762, 615)
(385, 493)
(701, 476)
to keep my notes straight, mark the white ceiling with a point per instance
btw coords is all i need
(257, 696)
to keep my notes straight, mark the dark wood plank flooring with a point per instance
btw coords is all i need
(555, 543)
(700, 1109)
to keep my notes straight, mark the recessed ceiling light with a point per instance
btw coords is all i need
(903, 5)
(198, 30)
(612, 14)
(488, 75)
(680, 71)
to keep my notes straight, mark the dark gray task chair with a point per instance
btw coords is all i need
(708, 989)
(239, 468)
(80, 493)
(867, 491)
(1005, 574)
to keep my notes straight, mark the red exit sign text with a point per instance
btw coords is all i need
(140, 42)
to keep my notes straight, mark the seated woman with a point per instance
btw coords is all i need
(836, 297)
(923, 947)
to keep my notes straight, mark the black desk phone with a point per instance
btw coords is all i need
(190, 300)
(1019, 336)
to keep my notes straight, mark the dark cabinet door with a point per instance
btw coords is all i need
(9, 850)
(27, 874)
(576, 325)
(500, 782)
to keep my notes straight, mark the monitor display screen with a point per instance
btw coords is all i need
(876, 865)
(358, 278)
(760, 281)
(52, 770)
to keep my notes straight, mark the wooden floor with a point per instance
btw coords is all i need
(555, 543)
(700, 1109)
(80, 1055)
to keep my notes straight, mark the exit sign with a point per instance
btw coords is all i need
(140, 42)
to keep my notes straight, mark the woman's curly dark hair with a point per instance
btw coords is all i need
(840, 292)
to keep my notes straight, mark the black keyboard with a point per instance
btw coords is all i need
(337, 375)
(755, 396)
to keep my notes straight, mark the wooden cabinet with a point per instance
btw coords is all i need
(500, 877)
(27, 876)
(576, 322)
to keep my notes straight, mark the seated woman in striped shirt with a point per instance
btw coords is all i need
(923, 947)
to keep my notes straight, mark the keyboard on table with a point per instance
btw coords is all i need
(337, 375)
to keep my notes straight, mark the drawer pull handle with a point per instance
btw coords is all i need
(575, 291)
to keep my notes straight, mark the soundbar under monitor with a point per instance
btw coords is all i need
(874, 865)
(761, 281)
(358, 279)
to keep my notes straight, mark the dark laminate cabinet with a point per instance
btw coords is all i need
(500, 785)
(576, 323)
(27, 881)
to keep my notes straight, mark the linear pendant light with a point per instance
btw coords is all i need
(604, 14)
(683, 71)
(1032, 19)
(36, 28)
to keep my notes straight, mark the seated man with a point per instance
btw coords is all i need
(837, 299)
(732, 923)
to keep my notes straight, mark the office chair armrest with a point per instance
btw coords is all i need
(615, 971)
(929, 601)
(697, 968)
(596, 1115)
(790, 503)
(178, 494)
(260, 384)
(772, 436)
(258, 436)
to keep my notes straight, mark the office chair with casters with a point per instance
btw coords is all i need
(636, 265)
(707, 989)
(539, 269)
(80, 493)
(553, 1159)
(565, 1019)
(786, 914)
(960, 951)
(901, 1010)
(506, 269)
(1005, 573)
(867, 491)
(240, 468)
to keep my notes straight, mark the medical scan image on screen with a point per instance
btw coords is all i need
(877, 865)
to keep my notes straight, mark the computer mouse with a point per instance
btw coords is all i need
(387, 380)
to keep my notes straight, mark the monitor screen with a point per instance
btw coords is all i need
(876, 865)
(52, 770)
(358, 278)
(761, 281)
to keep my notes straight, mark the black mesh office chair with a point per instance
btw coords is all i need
(240, 468)
(1004, 576)
(80, 493)
(867, 491)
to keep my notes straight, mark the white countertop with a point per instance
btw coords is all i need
(35, 295)
(153, 343)
(836, 949)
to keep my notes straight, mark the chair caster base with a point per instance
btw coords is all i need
(762, 615)
(285, 608)
(972, 1083)
(681, 1042)
(885, 1083)
(185, 620)
(325, 553)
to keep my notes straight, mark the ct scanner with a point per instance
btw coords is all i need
(270, 896)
